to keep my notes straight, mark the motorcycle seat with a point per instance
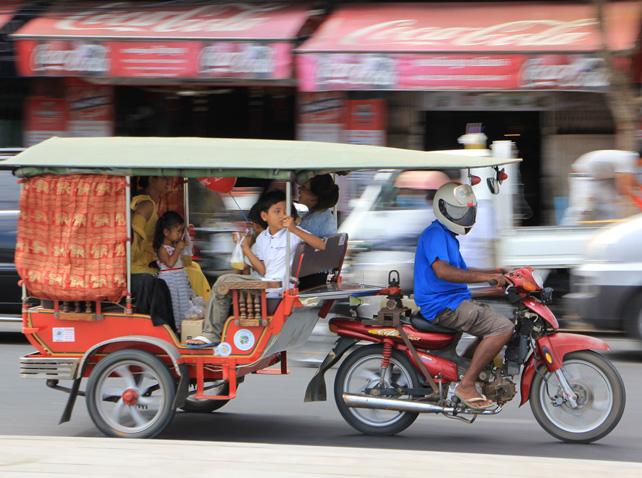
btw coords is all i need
(423, 325)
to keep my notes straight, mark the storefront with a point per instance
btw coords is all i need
(527, 72)
(168, 69)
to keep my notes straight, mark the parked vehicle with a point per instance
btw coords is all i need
(9, 290)
(607, 286)
(138, 374)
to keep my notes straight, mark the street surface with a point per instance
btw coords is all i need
(270, 410)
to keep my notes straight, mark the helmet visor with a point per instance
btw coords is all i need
(461, 215)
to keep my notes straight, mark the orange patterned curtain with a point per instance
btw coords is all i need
(71, 239)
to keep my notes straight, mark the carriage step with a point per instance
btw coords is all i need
(50, 368)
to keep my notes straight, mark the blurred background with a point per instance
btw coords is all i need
(558, 79)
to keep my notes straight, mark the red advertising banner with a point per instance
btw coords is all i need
(44, 118)
(370, 71)
(91, 109)
(321, 117)
(174, 59)
(366, 122)
(86, 110)
(194, 39)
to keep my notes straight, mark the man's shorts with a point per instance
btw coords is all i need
(475, 318)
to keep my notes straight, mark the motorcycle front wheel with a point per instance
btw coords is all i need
(599, 393)
(360, 372)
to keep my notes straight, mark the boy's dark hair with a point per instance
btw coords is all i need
(327, 193)
(269, 199)
(166, 221)
(254, 215)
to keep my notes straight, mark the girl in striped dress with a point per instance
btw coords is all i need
(170, 245)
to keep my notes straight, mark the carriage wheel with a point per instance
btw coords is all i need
(131, 394)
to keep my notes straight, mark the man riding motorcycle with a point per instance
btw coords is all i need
(441, 291)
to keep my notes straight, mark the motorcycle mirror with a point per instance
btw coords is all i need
(493, 185)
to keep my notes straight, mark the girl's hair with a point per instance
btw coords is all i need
(166, 221)
(254, 215)
(327, 193)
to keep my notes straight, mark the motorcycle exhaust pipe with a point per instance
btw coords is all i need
(377, 403)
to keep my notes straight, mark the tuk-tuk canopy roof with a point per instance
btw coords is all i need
(202, 157)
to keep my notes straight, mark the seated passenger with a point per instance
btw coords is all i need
(170, 243)
(320, 195)
(267, 257)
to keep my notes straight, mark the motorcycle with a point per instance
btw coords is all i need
(411, 366)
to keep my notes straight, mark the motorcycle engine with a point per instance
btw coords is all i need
(500, 390)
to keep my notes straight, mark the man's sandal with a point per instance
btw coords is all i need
(473, 403)
(205, 343)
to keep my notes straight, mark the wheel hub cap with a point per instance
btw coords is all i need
(130, 397)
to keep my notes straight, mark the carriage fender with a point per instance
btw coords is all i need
(171, 351)
(558, 346)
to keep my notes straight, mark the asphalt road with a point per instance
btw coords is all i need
(270, 409)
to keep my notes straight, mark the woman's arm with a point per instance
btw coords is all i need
(306, 237)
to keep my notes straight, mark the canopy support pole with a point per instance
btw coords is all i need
(288, 210)
(128, 244)
(186, 200)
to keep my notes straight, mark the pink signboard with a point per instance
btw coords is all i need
(151, 40)
(165, 59)
(378, 71)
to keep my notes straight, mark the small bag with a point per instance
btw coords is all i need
(237, 260)
(196, 309)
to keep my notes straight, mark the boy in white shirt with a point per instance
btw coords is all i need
(267, 258)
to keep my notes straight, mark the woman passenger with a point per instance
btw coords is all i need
(320, 194)
(151, 295)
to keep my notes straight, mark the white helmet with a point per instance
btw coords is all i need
(455, 207)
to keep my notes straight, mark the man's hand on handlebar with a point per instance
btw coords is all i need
(499, 280)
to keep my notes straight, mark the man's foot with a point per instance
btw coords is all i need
(473, 399)
(200, 342)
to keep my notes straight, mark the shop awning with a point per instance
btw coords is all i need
(485, 46)
(145, 39)
(7, 9)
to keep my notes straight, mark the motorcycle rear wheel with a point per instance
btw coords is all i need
(360, 370)
(600, 394)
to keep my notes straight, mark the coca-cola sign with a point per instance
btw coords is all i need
(253, 59)
(561, 71)
(518, 34)
(361, 71)
(189, 20)
(455, 27)
(72, 57)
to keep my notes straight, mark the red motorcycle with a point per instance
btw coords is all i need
(411, 366)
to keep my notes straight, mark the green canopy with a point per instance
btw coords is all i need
(200, 157)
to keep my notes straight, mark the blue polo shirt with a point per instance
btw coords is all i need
(433, 294)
